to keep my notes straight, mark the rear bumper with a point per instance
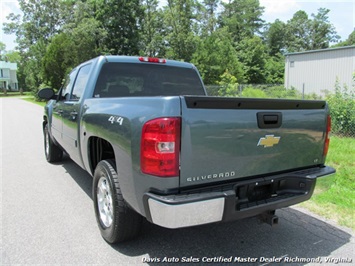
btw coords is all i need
(232, 201)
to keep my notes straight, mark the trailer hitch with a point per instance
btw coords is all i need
(269, 217)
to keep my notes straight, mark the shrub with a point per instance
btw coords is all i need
(342, 110)
(266, 91)
(251, 92)
(228, 85)
(282, 93)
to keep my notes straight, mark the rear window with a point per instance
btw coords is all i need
(128, 79)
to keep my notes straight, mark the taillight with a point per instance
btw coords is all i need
(327, 137)
(160, 147)
(152, 60)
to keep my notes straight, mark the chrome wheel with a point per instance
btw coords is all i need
(52, 152)
(117, 221)
(104, 201)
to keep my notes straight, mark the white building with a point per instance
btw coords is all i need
(8, 77)
(317, 71)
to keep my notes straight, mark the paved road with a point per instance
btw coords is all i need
(47, 216)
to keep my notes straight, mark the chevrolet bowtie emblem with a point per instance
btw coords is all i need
(268, 141)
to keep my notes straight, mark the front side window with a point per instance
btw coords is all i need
(80, 82)
(68, 84)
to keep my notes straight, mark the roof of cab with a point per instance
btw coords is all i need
(135, 59)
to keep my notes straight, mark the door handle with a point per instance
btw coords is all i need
(73, 115)
(59, 112)
(269, 119)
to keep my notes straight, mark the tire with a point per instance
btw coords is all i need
(52, 152)
(116, 220)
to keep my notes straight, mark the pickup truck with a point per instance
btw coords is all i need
(159, 148)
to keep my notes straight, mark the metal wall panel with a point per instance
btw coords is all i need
(317, 71)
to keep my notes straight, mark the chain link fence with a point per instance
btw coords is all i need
(342, 111)
(237, 89)
(341, 102)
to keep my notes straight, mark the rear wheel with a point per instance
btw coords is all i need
(116, 220)
(53, 152)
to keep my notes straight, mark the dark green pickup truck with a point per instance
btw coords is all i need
(158, 147)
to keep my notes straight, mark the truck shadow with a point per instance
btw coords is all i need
(79, 175)
(298, 235)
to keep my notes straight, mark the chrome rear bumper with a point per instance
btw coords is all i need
(233, 201)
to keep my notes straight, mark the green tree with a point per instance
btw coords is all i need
(180, 16)
(30, 69)
(2, 48)
(121, 20)
(152, 36)
(242, 18)
(209, 18)
(9, 56)
(88, 38)
(298, 32)
(275, 69)
(58, 59)
(275, 37)
(322, 32)
(81, 40)
(41, 20)
(13, 56)
(214, 55)
(304, 34)
(252, 54)
(351, 39)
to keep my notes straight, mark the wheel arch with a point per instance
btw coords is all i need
(99, 149)
(45, 121)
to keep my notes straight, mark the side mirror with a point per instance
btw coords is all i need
(46, 94)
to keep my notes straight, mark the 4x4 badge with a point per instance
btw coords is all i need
(268, 141)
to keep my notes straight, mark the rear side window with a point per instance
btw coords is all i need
(129, 79)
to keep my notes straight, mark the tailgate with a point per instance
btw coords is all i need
(233, 138)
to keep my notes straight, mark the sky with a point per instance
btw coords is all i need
(342, 14)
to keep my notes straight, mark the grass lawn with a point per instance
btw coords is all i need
(14, 94)
(32, 100)
(334, 196)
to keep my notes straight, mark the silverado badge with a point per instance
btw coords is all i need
(268, 141)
